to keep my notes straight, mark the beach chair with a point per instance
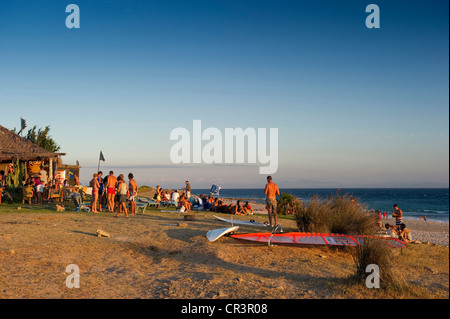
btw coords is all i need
(55, 195)
(27, 195)
(80, 206)
(150, 202)
(141, 205)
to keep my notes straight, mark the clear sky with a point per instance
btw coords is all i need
(354, 107)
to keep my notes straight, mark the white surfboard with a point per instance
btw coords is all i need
(215, 234)
(240, 222)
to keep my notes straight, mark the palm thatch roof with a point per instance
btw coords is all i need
(13, 147)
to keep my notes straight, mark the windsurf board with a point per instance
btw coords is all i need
(240, 222)
(215, 234)
(315, 239)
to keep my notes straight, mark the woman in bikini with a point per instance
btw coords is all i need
(95, 186)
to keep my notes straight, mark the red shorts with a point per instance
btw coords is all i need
(111, 190)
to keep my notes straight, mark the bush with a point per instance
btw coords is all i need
(310, 217)
(335, 214)
(376, 252)
(287, 204)
(340, 214)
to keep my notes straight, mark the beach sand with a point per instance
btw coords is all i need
(159, 255)
(426, 231)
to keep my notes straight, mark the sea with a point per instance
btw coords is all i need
(414, 202)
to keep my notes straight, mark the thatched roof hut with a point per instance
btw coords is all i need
(14, 147)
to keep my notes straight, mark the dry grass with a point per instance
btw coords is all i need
(335, 214)
(148, 256)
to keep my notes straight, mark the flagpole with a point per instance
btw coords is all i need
(98, 168)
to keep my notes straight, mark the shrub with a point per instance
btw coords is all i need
(309, 216)
(335, 214)
(287, 203)
(341, 214)
(376, 252)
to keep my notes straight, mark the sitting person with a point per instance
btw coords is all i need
(240, 209)
(205, 203)
(248, 209)
(166, 197)
(52, 190)
(225, 209)
(184, 204)
(405, 235)
(392, 231)
(214, 205)
(175, 196)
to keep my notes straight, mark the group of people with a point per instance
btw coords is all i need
(114, 192)
(37, 188)
(215, 205)
(210, 203)
(399, 231)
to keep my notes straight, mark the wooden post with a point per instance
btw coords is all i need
(50, 168)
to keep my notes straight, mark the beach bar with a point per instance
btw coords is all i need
(15, 148)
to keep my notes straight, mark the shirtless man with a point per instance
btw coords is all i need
(398, 215)
(133, 188)
(110, 191)
(271, 191)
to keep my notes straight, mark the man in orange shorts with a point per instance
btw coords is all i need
(111, 191)
(271, 191)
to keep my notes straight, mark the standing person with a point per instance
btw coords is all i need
(133, 188)
(39, 189)
(110, 190)
(398, 215)
(271, 191)
(95, 189)
(188, 190)
(123, 193)
(2, 183)
(101, 194)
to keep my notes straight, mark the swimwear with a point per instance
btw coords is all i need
(271, 204)
(111, 190)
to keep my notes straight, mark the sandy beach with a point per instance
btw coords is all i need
(160, 255)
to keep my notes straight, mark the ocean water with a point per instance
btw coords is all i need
(414, 202)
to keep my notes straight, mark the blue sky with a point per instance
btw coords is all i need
(355, 107)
